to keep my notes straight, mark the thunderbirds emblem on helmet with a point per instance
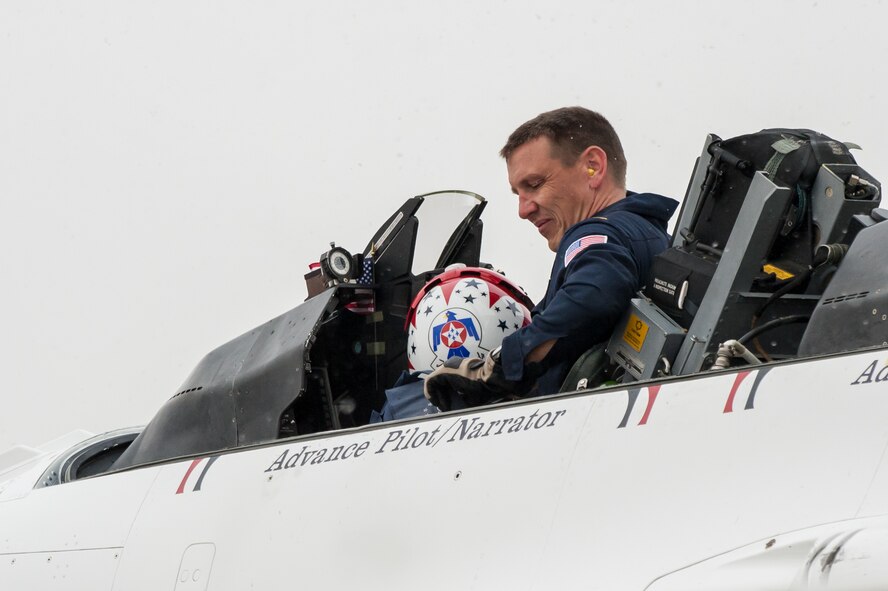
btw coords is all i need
(453, 334)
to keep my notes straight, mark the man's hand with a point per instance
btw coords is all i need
(473, 381)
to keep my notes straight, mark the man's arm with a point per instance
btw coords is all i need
(540, 352)
(598, 284)
(596, 288)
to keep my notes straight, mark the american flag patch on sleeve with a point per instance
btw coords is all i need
(580, 245)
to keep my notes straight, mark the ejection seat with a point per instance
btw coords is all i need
(763, 224)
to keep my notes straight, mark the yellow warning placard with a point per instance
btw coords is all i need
(636, 331)
(780, 273)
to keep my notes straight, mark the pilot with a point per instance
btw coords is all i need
(568, 171)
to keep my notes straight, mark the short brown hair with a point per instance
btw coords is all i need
(571, 130)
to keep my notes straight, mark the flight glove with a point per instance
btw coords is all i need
(475, 382)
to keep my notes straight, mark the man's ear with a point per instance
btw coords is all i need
(594, 160)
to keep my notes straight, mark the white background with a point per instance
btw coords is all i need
(169, 169)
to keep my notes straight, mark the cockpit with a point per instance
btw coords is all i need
(776, 255)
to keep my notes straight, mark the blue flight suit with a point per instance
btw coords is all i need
(591, 284)
(404, 399)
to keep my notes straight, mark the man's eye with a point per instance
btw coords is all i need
(535, 184)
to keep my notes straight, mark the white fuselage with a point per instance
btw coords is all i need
(610, 489)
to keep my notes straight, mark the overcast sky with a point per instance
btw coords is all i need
(169, 169)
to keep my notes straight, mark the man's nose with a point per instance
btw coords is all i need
(526, 207)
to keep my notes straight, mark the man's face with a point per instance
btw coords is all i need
(552, 196)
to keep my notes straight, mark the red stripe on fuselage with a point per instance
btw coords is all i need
(729, 404)
(652, 397)
(191, 468)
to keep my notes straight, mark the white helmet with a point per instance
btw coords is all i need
(463, 312)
